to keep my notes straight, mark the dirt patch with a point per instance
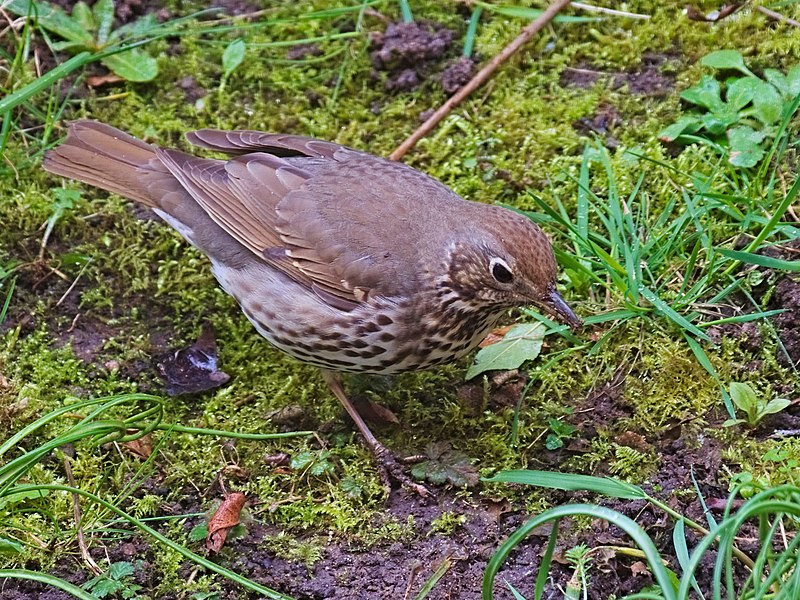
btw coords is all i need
(650, 79)
(787, 297)
(603, 407)
(458, 73)
(784, 294)
(409, 53)
(653, 77)
(604, 120)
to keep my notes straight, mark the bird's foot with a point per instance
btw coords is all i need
(392, 469)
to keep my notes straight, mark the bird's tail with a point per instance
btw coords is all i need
(100, 155)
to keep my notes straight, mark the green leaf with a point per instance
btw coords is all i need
(761, 260)
(102, 586)
(446, 465)
(322, 465)
(82, 14)
(606, 486)
(775, 406)
(741, 91)
(706, 94)
(51, 18)
(553, 442)
(521, 343)
(517, 595)
(8, 546)
(132, 65)
(725, 59)
(717, 123)
(120, 569)
(743, 396)
(302, 459)
(670, 313)
(103, 13)
(68, 46)
(523, 12)
(233, 56)
(17, 497)
(767, 103)
(135, 29)
(686, 124)
(777, 79)
(198, 532)
(793, 82)
(351, 486)
(745, 150)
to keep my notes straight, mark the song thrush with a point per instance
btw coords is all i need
(343, 260)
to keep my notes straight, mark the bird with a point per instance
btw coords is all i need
(344, 260)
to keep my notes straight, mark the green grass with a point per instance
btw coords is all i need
(772, 573)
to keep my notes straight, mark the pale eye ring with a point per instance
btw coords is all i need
(501, 271)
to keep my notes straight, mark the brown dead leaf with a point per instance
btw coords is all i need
(374, 412)
(634, 440)
(277, 460)
(495, 335)
(236, 472)
(695, 14)
(193, 369)
(101, 80)
(141, 447)
(223, 520)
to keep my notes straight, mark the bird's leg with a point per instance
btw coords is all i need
(388, 465)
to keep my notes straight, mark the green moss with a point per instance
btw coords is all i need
(447, 523)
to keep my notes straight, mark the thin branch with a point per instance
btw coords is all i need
(480, 78)
(76, 509)
(609, 11)
(777, 16)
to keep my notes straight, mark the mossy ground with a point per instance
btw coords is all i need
(145, 292)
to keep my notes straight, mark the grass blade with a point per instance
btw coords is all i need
(571, 482)
(48, 580)
(761, 260)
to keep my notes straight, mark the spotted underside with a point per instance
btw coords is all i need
(382, 336)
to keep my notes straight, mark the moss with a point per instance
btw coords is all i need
(447, 523)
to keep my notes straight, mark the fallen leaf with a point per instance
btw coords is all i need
(521, 343)
(194, 369)
(495, 336)
(236, 472)
(223, 520)
(374, 412)
(634, 440)
(101, 80)
(141, 447)
(695, 14)
(277, 460)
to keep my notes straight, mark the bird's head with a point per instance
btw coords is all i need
(507, 261)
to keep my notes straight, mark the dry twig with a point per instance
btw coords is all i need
(76, 509)
(777, 16)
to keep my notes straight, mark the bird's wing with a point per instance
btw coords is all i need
(348, 225)
(244, 141)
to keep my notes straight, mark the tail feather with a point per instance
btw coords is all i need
(100, 155)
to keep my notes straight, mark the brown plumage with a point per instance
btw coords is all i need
(341, 259)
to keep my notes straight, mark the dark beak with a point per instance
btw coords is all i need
(555, 305)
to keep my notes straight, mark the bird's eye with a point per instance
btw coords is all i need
(501, 271)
